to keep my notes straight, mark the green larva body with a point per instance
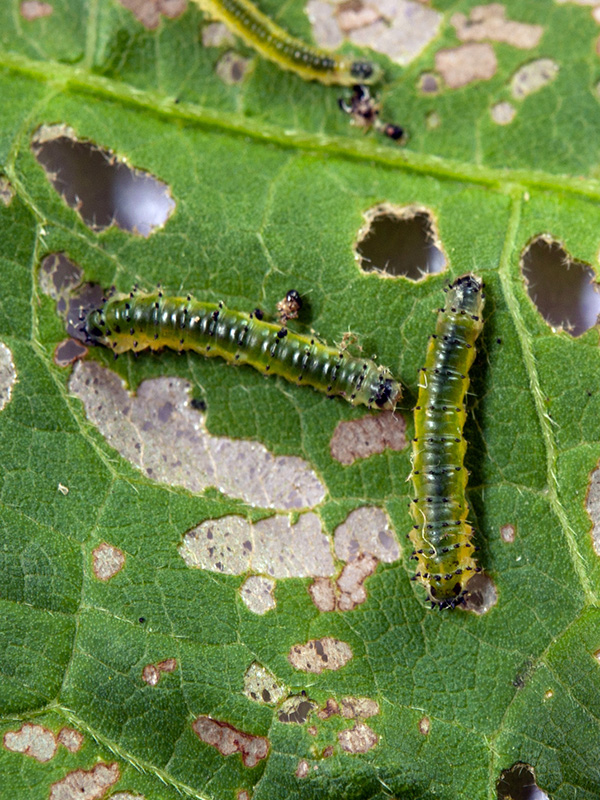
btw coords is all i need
(261, 33)
(441, 535)
(138, 321)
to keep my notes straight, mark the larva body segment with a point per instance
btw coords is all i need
(140, 321)
(275, 44)
(441, 535)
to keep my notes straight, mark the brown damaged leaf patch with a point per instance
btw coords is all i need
(367, 436)
(503, 113)
(68, 352)
(593, 508)
(35, 9)
(318, 655)
(359, 707)
(257, 594)
(350, 583)
(149, 12)
(490, 23)
(8, 375)
(460, 66)
(261, 686)
(348, 591)
(330, 709)
(31, 740)
(86, 785)
(7, 192)
(400, 30)
(70, 739)
(349, 708)
(323, 594)
(107, 561)
(216, 34)
(302, 769)
(366, 530)
(144, 427)
(359, 739)
(508, 533)
(532, 77)
(41, 743)
(152, 672)
(229, 740)
(273, 546)
(232, 68)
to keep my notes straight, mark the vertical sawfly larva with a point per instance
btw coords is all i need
(275, 44)
(441, 534)
(138, 321)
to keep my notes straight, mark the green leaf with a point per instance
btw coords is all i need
(108, 633)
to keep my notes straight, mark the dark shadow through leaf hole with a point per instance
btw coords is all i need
(563, 290)
(102, 189)
(399, 241)
(518, 783)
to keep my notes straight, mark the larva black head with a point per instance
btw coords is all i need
(362, 70)
(293, 298)
(94, 331)
(444, 604)
(466, 295)
(446, 601)
(387, 393)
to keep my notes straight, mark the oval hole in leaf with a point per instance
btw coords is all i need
(564, 290)
(400, 241)
(518, 783)
(100, 187)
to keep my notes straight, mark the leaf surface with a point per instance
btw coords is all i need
(270, 184)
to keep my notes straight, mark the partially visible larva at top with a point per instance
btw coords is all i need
(138, 321)
(441, 534)
(272, 42)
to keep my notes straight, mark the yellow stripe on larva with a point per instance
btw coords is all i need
(275, 44)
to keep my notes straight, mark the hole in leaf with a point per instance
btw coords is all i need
(518, 783)
(59, 275)
(563, 289)
(481, 594)
(295, 709)
(100, 187)
(68, 352)
(400, 241)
